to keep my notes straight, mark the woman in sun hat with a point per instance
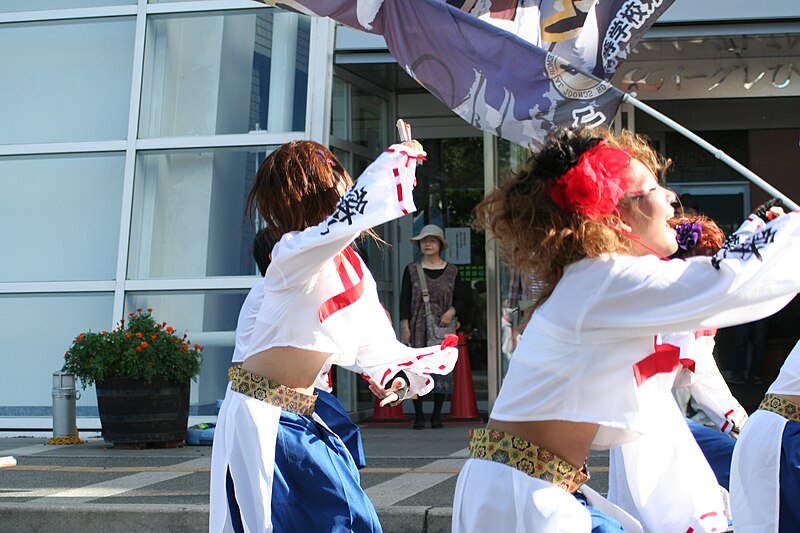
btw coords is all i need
(446, 301)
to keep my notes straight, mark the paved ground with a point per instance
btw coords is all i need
(92, 487)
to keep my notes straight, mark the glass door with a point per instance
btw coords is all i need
(358, 135)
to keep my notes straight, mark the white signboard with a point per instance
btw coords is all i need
(458, 249)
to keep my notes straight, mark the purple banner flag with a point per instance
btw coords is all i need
(516, 68)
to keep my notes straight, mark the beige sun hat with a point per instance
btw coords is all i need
(431, 230)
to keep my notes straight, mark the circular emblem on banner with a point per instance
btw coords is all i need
(570, 82)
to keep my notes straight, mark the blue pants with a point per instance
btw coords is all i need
(331, 410)
(316, 485)
(717, 447)
(790, 479)
(600, 522)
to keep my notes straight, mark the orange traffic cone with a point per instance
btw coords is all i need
(463, 406)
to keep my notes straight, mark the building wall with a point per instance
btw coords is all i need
(129, 137)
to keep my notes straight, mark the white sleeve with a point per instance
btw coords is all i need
(715, 399)
(708, 386)
(750, 225)
(247, 321)
(383, 362)
(382, 193)
(645, 296)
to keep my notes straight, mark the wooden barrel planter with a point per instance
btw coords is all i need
(137, 414)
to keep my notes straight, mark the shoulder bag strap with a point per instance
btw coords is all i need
(424, 288)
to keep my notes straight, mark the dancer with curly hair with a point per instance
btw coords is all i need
(589, 219)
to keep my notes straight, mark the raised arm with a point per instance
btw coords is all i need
(382, 193)
(754, 278)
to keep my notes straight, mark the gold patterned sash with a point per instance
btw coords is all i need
(273, 393)
(788, 410)
(528, 458)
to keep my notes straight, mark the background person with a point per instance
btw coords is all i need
(749, 338)
(447, 299)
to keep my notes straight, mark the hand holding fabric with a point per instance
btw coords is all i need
(393, 394)
(770, 209)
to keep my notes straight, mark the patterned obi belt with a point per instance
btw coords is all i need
(788, 410)
(493, 445)
(272, 393)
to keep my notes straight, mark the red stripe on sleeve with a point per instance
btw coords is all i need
(352, 292)
(705, 333)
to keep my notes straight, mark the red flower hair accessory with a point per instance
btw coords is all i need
(595, 185)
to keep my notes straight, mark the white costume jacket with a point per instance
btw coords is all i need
(244, 330)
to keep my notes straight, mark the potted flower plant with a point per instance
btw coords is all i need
(142, 372)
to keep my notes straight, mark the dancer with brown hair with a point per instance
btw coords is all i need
(275, 463)
(589, 220)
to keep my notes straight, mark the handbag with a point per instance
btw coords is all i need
(434, 333)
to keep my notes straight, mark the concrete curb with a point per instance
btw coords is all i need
(124, 518)
(415, 519)
(99, 518)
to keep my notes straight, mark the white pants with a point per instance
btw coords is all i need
(244, 442)
(664, 480)
(495, 497)
(755, 474)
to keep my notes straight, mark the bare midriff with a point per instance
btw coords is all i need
(795, 399)
(291, 367)
(570, 441)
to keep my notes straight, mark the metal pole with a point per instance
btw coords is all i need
(719, 154)
(493, 315)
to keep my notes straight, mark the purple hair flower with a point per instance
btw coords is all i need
(323, 158)
(688, 235)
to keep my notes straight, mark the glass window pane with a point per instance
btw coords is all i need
(65, 213)
(339, 109)
(188, 213)
(369, 120)
(210, 74)
(7, 6)
(34, 347)
(66, 81)
(209, 319)
(344, 159)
